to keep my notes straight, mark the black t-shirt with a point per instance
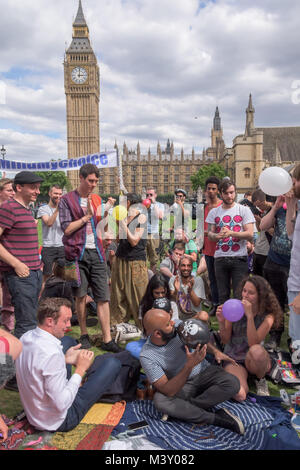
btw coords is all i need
(133, 253)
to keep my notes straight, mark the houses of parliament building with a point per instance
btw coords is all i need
(251, 152)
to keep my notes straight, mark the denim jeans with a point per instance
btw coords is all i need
(24, 293)
(294, 320)
(210, 263)
(96, 384)
(230, 270)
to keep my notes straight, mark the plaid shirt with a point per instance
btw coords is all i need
(70, 211)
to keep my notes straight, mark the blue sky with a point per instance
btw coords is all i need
(162, 63)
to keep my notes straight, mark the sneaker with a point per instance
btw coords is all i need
(125, 332)
(262, 388)
(225, 419)
(274, 373)
(12, 385)
(85, 342)
(111, 346)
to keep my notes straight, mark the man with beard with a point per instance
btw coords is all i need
(292, 200)
(188, 291)
(230, 225)
(187, 386)
(53, 248)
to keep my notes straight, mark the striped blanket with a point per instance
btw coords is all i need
(267, 426)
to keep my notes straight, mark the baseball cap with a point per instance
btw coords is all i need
(179, 190)
(162, 304)
(27, 177)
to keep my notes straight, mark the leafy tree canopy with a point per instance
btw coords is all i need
(51, 178)
(199, 178)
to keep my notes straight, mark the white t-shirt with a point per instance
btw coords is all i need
(234, 218)
(90, 237)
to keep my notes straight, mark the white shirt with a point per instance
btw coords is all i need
(235, 219)
(90, 237)
(44, 389)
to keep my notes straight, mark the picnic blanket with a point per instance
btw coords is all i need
(267, 426)
(90, 434)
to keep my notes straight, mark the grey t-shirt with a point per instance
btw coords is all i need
(168, 360)
(52, 236)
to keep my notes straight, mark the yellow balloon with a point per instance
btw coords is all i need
(119, 212)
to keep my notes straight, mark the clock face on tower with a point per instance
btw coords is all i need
(79, 75)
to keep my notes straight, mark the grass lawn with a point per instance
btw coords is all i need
(11, 405)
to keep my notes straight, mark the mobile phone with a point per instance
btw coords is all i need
(137, 425)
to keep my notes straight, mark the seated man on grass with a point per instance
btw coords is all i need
(53, 399)
(187, 386)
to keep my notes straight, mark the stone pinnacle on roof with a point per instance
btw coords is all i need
(80, 19)
(250, 105)
(217, 120)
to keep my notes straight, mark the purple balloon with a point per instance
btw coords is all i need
(233, 310)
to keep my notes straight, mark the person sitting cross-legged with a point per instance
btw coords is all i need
(53, 399)
(243, 339)
(187, 387)
(188, 291)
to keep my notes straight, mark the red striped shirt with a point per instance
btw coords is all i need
(20, 236)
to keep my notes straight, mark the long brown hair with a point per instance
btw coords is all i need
(267, 300)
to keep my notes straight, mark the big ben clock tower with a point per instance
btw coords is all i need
(82, 88)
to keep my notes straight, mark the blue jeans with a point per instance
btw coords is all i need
(210, 263)
(24, 293)
(294, 320)
(96, 384)
(230, 271)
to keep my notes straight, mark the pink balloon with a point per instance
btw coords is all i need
(147, 203)
(233, 310)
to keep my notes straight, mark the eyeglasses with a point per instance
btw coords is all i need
(180, 195)
(150, 194)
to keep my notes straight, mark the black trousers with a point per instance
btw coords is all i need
(211, 387)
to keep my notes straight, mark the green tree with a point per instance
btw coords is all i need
(199, 178)
(51, 178)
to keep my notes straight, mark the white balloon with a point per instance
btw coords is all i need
(275, 181)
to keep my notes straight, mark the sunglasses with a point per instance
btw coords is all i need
(149, 194)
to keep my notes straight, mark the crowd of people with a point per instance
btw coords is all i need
(90, 260)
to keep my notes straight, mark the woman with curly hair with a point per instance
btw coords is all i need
(244, 339)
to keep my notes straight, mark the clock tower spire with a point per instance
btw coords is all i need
(82, 88)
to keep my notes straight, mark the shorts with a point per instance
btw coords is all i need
(93, 274)
(49, 255)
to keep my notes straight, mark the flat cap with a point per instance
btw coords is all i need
(27, 177)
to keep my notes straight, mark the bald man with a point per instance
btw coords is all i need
(187, 386)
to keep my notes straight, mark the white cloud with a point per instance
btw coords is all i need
(163, 63)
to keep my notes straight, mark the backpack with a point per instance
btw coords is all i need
(125, 385)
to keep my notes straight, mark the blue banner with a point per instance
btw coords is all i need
(101, 160)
